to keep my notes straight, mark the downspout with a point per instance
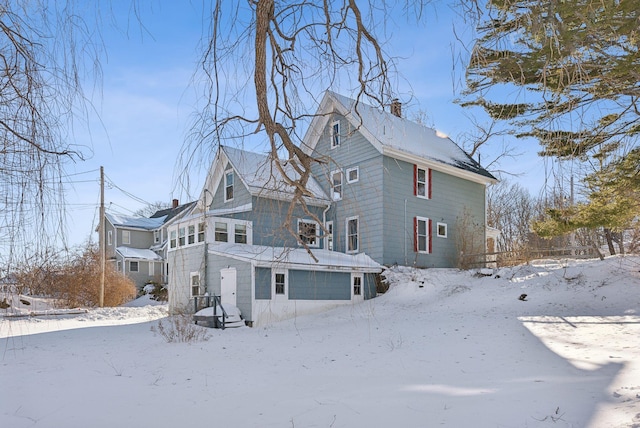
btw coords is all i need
(405, 232)
(324, 225)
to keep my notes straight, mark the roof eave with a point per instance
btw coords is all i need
(438, 166)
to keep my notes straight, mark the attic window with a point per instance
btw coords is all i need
(335, 134)
(228, 185)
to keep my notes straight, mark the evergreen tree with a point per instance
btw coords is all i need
(567, 73)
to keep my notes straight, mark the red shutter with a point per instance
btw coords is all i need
(429, 184)
(415, 234)
(415, 180)
(429, 233)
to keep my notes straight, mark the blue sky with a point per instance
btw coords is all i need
(146, 103)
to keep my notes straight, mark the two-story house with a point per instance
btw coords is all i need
(389, 191)
(400, 191)
(137, 245)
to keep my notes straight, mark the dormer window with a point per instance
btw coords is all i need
(228, 185)
(335, 134)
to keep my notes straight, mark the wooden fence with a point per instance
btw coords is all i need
(511, 258)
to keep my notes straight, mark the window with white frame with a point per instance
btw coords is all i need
(422, 234)
(240, 233)
(181, 236)
(228, 185)
(133, 266)
(422, 185)
(126, 237)
(442, 230)
(353, 174)
(110, 237)
(335, 134)
(156, 236)
(200, 232)
(336, 185)
(173, 239)
(191, 234)
(308, 232)
(195, 284)
(280, 283)
(221, 235)
(357, 285)
(352, 234)
(329, 236)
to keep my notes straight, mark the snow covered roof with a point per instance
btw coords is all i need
(394, 136)
(297, 257)
(137, 253)
(262, 178)
(135, 222)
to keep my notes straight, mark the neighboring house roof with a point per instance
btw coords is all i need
(135, 222)
(296, 257)
(396, 137)
(170, 213)
(137, 253)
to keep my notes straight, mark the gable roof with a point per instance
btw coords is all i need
(261, 178)
(397, 137)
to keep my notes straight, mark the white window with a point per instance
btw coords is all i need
(336, 185)
(221, 235)
(195, 284)
(328, 240)
(133, 266)
(442, 230)
(200, 232)
(156, 236)
(228, 185)
(422, 185)
(352, 234)
(110, 237)
(308, 232)
(172, 239)
(152, 268)
(353, 174)
(181, 236)
(191, 234)
(335, 134)
(356, 289)
(422, 233)
(126, 237)
(240, 235)
(279, 284)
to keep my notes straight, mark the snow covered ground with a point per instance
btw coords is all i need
(441, 348)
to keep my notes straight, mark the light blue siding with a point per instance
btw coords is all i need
(241, 195)
(263, 283)
(449, 199)
(363, 198)
(310, 285)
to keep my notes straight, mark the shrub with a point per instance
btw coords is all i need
(75, 281)
(180, 328)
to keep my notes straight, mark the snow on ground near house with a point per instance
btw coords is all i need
(441, 348)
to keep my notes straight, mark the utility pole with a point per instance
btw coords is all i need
(101, 238)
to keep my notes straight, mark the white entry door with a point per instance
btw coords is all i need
(228, 287)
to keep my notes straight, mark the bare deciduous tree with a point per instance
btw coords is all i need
(265, 62)
(44, 48)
